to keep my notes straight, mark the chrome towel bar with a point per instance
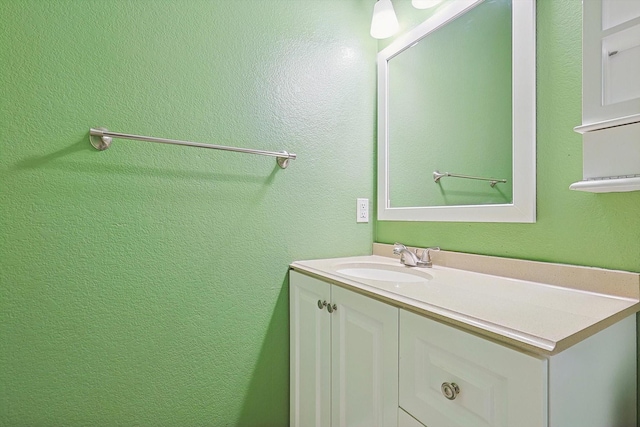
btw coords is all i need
(101, 139)
(493, 181)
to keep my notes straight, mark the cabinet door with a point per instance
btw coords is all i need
(496, 386)
(310, 352)
(364, 361)
(611, 60)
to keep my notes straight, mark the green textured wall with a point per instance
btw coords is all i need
(146, 285)
(600, 230)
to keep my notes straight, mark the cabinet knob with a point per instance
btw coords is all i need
(450, 390)
(322, 304)
(331, 308)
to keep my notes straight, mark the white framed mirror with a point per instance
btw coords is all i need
(456, 96)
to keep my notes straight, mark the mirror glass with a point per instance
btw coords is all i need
(456, 98)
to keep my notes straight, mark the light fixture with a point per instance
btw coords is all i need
(425, 4)
(384, 22)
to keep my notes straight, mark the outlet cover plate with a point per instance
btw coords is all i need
(362, 210)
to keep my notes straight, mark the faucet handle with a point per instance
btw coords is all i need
(425, 253)
(425, 258)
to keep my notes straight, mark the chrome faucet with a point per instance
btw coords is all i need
(411, 259)
(407, 257)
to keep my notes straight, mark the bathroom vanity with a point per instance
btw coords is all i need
(513, 343)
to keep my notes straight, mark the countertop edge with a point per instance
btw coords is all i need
(521, 341)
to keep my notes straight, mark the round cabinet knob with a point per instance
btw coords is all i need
(450, 390)
(331, 308)
(322, 304)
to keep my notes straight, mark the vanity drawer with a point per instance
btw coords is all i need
(488, 384)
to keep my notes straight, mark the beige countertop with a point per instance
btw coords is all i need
(542, 318)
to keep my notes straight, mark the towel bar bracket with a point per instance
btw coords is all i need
(99, 140)
(283, 162)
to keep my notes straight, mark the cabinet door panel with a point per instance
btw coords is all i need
(310, 352)
(364, 361)
(610, 61)
(498, 387)
(621, 66)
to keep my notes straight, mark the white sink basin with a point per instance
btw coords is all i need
(383, 273)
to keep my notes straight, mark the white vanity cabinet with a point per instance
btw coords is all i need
(406, 420)
(591, 384)
(343, 357)
(462, 348)
(358, 361)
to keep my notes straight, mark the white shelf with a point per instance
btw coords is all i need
(590, 127)
(612, 185)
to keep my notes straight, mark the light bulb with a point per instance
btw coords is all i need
(384, 22)
(425, 4)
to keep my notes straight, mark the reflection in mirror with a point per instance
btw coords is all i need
(457, 95)
(427, 99)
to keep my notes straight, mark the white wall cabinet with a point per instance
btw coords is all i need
(610, 96)
(345, 370)
(344, 357)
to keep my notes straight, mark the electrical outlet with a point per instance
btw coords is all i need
(362, 210)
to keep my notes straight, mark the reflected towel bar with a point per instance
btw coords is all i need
(105, 137)
(437, 175)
